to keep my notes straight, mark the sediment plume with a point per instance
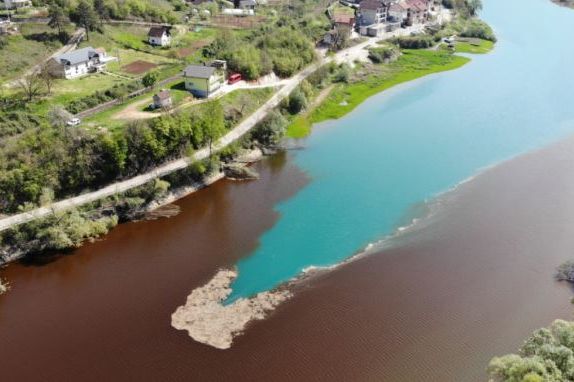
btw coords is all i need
(210, 322)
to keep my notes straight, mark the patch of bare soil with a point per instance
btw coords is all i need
(139, 67)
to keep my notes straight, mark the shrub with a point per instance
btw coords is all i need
(270, 131)
(478, 29)
(342, 73)
(297, 101)
(415, 42)
(565, 272)
(383, 54)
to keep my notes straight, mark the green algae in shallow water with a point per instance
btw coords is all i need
(411, 65)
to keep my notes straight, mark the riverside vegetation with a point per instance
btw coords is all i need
(400, 60)
(43, 159)
(547, 355)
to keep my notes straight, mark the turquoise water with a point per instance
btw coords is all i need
(415, 141)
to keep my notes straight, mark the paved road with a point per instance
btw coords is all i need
(347, 55)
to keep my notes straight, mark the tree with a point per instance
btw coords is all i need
(547, 356)
(58, 18)
(212, 123)
(270, 131)
(149, 79)
(31, 85)
(86, 17)
(297, 101)
(101, 10)
(47, 76)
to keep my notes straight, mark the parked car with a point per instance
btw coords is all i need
(236, 77)
(74, 122)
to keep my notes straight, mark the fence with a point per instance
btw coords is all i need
(106, 105)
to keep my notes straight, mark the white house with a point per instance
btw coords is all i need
(79, 62)
(14, 4)
(159, 36)
(373, 12)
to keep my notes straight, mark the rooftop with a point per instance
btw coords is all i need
(158, 31)
(77, 56)
(199, 71)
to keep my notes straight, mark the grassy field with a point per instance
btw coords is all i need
(238, 103)
(372, 79)
(474, 46)
(35, 43)
(124, 52)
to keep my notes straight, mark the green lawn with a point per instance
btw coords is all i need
(35, 43)
(473, 46)
(125, 54)
(371, 80)
(245, 100)
(64, 91)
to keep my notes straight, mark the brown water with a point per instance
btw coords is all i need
(452, 294)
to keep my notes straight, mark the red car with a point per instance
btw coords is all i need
(234, 78)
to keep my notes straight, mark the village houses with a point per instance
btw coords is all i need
(379, 16)
(79, 62)
(159, 36)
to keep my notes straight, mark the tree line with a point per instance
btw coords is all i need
(53, 161)
(91, 14)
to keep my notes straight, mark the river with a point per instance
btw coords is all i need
(434, 304)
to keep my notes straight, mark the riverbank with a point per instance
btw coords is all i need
(564, 3)
(483, 283)
(369, 79)
(75, 228)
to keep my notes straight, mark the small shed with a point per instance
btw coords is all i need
(162, 100)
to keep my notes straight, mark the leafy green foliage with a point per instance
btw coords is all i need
(422, 41)
(149, 79)
(383, 54)
(283, 50)
(270, 131)
(479, 29)
(118, 91)
(297, 101)
(548, 356)
(68, 160)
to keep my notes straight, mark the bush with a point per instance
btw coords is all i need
(565, 272)
(98, 97)
(478, 29)
(282, 50)
(415, 42)
(297, 101)
(342, 74)
(270, 131)
(383, 54)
